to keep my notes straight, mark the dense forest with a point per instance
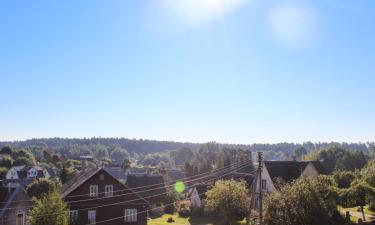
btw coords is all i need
(140, 146)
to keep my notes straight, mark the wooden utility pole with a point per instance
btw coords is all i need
(260, 160)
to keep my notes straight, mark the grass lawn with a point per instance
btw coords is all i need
(356, 210)
(204, 220)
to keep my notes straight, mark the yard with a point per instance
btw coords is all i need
(204, 220)
(356, 213)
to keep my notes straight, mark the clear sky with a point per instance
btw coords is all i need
(238, 71)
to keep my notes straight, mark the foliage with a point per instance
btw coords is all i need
(344, 178)
(6, 150)
(6, 162)
(119, 154)
(67, 173)
(20, 161)
(183, 208)
(181, 155)
(228, 198)
(360, 193)
(339, 159)
(3, 172)
(50, 209)
(289, 204)
(41, 187)
(171, 198)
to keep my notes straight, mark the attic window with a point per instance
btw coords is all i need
(101, 177)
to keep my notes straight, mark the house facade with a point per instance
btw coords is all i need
(95, 196)
(18, 175)
(14, 206)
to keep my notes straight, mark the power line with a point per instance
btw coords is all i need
(141, 187)
(117, 203)
(93, 199)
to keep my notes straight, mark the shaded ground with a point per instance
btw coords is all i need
(203, 220)
(355, 214)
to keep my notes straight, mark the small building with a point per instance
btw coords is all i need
(283, 171)
(94, 196)
(14, 206)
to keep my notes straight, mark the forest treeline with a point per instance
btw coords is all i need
(142, 146)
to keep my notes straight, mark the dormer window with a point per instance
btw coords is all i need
(94, 191)
(32, 173)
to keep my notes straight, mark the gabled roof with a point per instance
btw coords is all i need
(290, 170)
(85, 175)
(152, 182)
(79, 179)
(116, 171)
(201, 189)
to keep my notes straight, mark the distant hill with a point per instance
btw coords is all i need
(275, 151)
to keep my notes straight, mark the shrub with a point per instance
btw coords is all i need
(170, 220)
(184, 208)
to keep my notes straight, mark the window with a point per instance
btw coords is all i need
(73, 215)
(130, 215)
(94, 191)
(92, 216)
(32, 173)
(264, 184)
(109, 190)
(20, 218)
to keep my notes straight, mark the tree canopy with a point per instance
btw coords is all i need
(228, 198)
(50, 209)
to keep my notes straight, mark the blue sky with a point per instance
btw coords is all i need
(237, 71)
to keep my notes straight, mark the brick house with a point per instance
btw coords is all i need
(95, 195)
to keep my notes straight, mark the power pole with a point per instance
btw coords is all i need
(260, 160)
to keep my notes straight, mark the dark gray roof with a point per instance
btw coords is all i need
(152, 182)
(290, 170)
(84, 175)
(117, 172)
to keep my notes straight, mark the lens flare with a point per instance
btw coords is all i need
(179, 186)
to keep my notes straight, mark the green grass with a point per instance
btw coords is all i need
(203, 220)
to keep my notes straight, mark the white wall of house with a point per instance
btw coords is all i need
(267, 178)
(310, 171)
(12, 174)
(196, 201)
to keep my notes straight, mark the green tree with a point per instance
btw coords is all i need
(344, 178)
(359, 194)
(6, 150)
(67, 173)
(304, 201)
(50, 209)
(3, 172)
(20, 161)
(228, 198)
(6, 162)
(119, 154)
(40, 187)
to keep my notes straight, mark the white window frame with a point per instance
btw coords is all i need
(130, 215)
(23, 217)
(108, 190)
(264, 184)
(91, 216)
(94, 190)
(73, 215)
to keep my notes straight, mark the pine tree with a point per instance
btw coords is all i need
(49, 210)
